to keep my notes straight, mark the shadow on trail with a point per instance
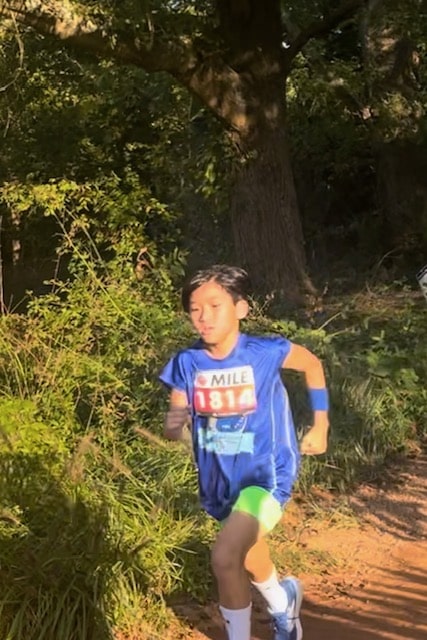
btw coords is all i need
(394, 608)
(400, 508)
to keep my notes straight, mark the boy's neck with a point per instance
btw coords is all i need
(222, 350)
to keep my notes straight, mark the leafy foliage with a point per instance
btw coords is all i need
(102, 145)
(355, 101)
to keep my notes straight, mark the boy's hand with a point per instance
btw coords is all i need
(175, 420)
(315, 441)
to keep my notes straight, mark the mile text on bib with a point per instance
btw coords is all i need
(225, 392)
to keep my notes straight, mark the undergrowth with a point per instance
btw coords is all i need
(99, 521)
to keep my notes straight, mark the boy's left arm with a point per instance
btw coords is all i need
(315, 441)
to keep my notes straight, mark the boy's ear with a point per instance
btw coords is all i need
(242, 309)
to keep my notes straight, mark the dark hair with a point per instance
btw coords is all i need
(233, 279)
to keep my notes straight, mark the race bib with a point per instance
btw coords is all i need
(225, 392)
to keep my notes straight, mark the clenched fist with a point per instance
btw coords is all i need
(175, 420)
(315, 441)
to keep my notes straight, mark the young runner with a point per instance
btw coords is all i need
(227, 386)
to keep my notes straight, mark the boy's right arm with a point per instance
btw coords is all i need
(177, 416)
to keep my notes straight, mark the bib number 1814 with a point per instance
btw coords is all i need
(225, 401)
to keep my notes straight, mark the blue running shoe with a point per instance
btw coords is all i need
(287, 625)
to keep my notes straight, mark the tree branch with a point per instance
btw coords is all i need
(205, 75)
(320, 28)
(63, 21)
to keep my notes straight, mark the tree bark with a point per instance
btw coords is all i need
(267, 231)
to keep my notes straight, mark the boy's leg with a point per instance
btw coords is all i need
(263, 576)
(239, 533)
(240, 548)
(283, 598)
(258, 562)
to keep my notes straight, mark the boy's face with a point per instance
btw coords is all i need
(214, 314)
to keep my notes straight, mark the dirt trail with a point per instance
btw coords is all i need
(378, 586)
(381, 592)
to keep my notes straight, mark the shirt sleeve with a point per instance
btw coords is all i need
(281, 348)
(173, 375)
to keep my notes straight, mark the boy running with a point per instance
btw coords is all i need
(228, 386)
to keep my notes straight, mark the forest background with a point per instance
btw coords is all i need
(141, 140)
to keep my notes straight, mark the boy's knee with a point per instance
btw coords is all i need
(225, 559)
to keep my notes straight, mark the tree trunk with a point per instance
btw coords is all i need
(267, 231)
(266, 225)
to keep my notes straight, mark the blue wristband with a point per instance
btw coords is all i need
(319, 399)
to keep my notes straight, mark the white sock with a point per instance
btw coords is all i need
(273, 594)
(237, 622)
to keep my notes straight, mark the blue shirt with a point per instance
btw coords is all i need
(242, 427)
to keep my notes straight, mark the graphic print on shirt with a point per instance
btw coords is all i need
(226, 396)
